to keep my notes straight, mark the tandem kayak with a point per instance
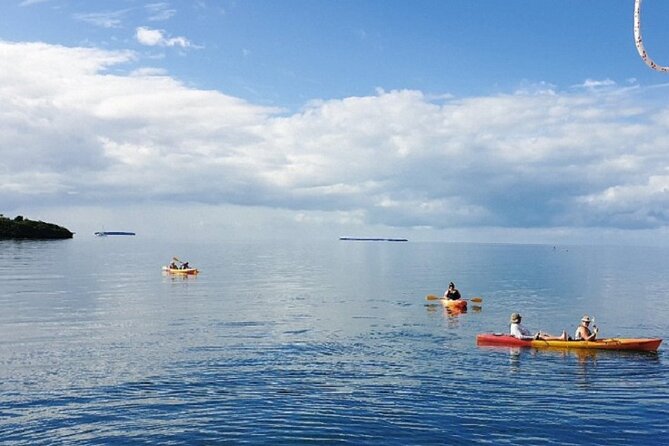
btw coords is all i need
(642, 344)
(181, 270)
(456, 305)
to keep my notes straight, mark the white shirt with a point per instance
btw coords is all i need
(520, 332)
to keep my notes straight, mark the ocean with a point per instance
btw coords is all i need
(298, 342)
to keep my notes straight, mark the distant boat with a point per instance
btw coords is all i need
(368, 239)
(106, 233)
(187, 271)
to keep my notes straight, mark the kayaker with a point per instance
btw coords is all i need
(185, 265)
(583, 332)
(519, 331)
(452, 293)
(172, 265)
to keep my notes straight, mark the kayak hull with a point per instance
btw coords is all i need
(640, 344)
(189, 271)
(456, 305)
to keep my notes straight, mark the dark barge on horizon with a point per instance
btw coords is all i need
(373, 239)
(106, 233)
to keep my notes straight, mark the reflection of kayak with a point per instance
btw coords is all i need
(601, 344)
(181, 271)
(458, 305)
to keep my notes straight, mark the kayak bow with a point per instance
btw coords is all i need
(642, 344)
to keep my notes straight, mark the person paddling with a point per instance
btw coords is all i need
(452, 293)
(583, 332)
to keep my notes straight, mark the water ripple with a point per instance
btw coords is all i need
(287, 345)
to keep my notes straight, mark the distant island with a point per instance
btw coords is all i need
(367, 239)
(21, 228)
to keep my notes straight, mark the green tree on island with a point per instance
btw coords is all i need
(24, 229)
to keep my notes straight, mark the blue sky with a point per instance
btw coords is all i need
(289, 52)
(513, 121)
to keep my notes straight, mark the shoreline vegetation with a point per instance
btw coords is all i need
(21, 228)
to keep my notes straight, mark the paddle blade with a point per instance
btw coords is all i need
(476, 299)
(432, 297)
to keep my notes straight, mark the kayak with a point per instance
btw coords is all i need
(456, 305)
(643, 344)
(181, 271)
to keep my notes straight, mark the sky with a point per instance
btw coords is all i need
(516, 121)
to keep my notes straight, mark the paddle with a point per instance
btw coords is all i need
(433, 297)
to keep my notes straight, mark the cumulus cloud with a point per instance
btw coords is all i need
(637, 205)
(71, 131)
(157, 37)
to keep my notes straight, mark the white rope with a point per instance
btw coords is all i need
(639, 41)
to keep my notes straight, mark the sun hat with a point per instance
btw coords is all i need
(515, 317)
(585, 318)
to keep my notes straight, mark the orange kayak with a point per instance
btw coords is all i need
(642, 344)
(457, 305)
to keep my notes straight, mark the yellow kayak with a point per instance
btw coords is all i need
(181, 270)
(644, 344)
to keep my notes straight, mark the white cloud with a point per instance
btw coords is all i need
(591, 83)
(32, 2)
(636, 205)
(72, 132)
(109, 19)
(160, 11)
(156, 37)
(149, 37)
(149, 71)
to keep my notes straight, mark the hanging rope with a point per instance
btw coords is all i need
(639, 41)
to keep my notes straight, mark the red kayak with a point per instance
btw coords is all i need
(500, 339)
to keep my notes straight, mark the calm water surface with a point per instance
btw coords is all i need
(328, 342)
